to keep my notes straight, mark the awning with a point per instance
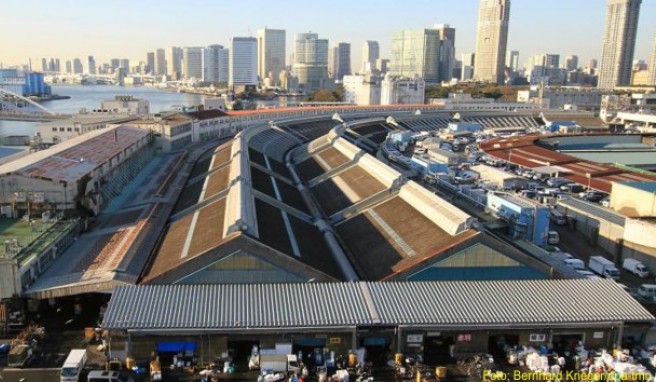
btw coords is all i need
(175, 346)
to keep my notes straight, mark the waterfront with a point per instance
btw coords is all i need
(89, 97)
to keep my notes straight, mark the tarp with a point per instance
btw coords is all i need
(175, 346)
(310, 341)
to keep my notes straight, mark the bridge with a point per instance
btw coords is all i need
(15, 107)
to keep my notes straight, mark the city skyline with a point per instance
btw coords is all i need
(131, 30)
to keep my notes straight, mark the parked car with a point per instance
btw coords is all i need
(571, 187)
(556, 182)
(605, 202)
(592, 196)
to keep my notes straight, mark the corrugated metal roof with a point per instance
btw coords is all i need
(278, 306)
(504, 302)
(594, 210)
(237, 306)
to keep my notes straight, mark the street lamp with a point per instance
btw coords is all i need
(589, 176)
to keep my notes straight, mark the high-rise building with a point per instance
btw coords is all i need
(401, 90)
(150, 62)
(383, 65)
(174, 62)
(491, 40)
(69, 67)
(512, 60)
(416, 53)
(243, 61)
(44, 64)
(447, 51)
(571, 62)
(91, 65)
(192, 63)
(370, 53)
(362, 89)
(652, 63)
(271, 52)
(77, 66)
(160, 62)
(339, 60)
(619, 43)
(125, 64)
(310, 60)
(467, 66)
(115, 63)
(215, 64)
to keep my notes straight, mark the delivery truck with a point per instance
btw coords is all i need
(279, 362)
(636, 267)
(603, 267)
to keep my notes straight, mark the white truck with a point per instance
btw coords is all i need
(636, 267)
(603, 267)
(553, 237)
(279, 362)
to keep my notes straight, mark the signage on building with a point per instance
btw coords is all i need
(537, 337)
(464, 338)
(38, 197)
(335, 340)
(415, 338)
(20, 196)
(598, 335)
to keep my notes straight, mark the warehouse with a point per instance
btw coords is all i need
(417, 317)
(502, 180)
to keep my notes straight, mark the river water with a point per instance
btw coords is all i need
(89, 97)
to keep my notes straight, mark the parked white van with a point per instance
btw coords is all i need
(72, 368)
(107, 376)
(647, 291)
(636, 267)
(575, 263)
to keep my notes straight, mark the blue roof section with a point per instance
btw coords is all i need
(644, 186)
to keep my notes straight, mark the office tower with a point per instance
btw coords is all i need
(174, 62)
(447, 51)
(192, 63)
(416, 53)
(150, 62)
(619, 43)
(370, 53)
(491, 40)
(77, 66)
(512, 60)
(115, 63)
(243, 61)
(160, 62)
(467, 66)
(383, 65)
(215, 64)
(571, 62)
(44, 64)
(69, 67)
(271, 51)
(339, 60)
(310, 60)
(125, 64)
(91, 65)
(652, 63)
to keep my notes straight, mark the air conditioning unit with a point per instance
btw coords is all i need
(537, 337)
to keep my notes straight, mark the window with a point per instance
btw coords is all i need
(77, 129)
(69, 129)
(54, 129)
(61, 129)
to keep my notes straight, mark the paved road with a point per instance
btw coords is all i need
(29, 375)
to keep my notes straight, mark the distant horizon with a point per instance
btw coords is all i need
(128, 30)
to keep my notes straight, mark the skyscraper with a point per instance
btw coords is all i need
(160, 62)
(652, 63)
(571, 62)
(339, 60)
(271, 52)
(243, 61)
(619, 43)
(310, 60)
(192, 63)
(77, 66)
(468, 60)
(447, 51)
(69, 67)
(215, 64)
(115, 63)
(174, 62)
(150, 62)
(491, 40)
(416, 53)
(370, 53)
(512, 60)
(91, 65)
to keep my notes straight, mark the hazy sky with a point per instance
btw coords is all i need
(129, 28)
